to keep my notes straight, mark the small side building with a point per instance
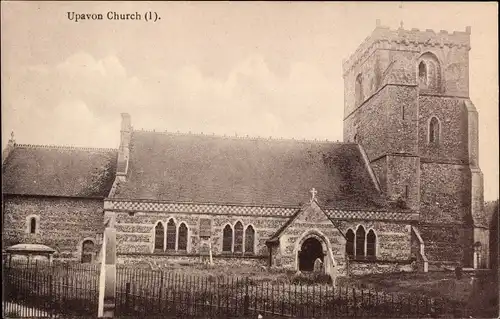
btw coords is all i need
(53, 196)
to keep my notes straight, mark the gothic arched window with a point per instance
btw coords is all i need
(249, 240)
(171, 234)
(422, 74)
(349, 245)
(183, 237)
(238, 237)
(371, 244)
(159, 237)
(434, 131)
(88, 249)
(358, 90)
(429, 72)
(360, 242)
(227, 239)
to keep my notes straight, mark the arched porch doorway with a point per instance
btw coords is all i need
(310, 250)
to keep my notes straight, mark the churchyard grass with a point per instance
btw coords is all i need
(462, 296)
(218, 291)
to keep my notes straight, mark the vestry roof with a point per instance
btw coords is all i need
(214, 169)
(59, 171)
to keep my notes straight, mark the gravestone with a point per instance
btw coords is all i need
(318, 266)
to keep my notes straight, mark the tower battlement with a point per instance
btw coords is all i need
(414, 39)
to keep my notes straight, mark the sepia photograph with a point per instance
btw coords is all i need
(259, 159)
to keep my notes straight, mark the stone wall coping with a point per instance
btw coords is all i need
(67, 147)
(402, 36)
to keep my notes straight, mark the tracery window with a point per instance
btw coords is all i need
(171, 234)
(238, 237)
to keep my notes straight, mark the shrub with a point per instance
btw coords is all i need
(311, 279)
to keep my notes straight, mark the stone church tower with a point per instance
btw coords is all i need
(406, 102)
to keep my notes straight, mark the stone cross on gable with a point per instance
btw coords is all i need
(313, 192)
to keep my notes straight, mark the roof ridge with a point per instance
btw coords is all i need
(244, 137)
(66, 147)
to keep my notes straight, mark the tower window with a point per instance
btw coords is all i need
(358, 90)
(422, 74)
(434, 131)
(429, 72)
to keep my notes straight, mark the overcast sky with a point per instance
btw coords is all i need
(262, 69)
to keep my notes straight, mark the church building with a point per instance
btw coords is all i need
(402, 192)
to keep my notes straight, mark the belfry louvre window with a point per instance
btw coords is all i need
(171, 235)
(249, 240)
(159, 237)
(429, 73)
(422, 74)
(227, 239)
(183, 237)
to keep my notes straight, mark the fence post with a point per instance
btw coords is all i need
(246, 301)
(127, 297)
(51, 290)
(354, 301)
(160, 291)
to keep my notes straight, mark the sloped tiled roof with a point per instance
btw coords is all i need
(214, 169)
(59, 171)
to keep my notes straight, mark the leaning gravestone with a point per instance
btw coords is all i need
(318, 266)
